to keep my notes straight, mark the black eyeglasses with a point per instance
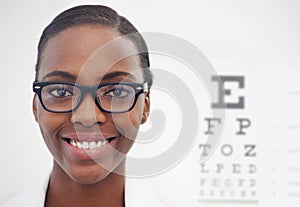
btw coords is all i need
(63, 97)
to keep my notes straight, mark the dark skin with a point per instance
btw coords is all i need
(63, 191)
(71, 56)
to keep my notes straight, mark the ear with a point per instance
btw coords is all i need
(34, 107)
(146, 108)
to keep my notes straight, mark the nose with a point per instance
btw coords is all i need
(88, 113)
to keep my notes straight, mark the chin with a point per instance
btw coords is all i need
(89, 177)
(90, 172)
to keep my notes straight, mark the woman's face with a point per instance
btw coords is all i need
(73, 55)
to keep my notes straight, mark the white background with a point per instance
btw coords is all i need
(257, 37)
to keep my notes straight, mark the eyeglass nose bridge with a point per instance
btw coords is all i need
(84, 90)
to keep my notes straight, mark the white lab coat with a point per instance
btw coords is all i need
(137, 194)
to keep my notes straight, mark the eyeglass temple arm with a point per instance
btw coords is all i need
(145, 87)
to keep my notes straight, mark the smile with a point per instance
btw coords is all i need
(88, 144)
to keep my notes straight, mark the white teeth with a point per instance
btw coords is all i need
(79, 145)
(85, 145)
(99, 143)
(92, 145)
(72, 142)
(88, 145)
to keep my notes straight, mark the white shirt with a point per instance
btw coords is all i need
(137, 194)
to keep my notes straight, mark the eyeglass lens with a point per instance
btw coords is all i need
(64, 97)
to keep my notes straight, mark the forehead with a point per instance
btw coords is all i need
(89, 52)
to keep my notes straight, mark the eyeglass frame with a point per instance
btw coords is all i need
(139, 88)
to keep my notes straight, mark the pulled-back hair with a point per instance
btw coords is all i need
(96, 15)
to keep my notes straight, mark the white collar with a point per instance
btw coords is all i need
(137, 194)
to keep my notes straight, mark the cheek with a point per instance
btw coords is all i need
(128, 126)
(49, 124)
(136, 113)
(129, 123)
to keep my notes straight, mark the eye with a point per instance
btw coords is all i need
(60, 92)
(117, 92)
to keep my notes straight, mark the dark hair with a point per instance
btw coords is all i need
(96, 15)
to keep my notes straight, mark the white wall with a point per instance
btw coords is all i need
(255, 38)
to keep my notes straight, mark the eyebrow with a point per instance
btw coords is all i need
(117, 73)
(59, 73)
(107, 76)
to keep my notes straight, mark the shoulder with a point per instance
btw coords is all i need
(137, 194)
(33, 195)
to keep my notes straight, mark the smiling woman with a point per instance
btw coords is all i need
(92, 90)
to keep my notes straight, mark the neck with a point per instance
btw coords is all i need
(64, 191)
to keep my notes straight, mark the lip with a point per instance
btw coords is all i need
(89, 154)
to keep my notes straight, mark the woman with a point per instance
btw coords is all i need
(91, 95)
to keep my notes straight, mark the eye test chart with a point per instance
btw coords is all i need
(256, 162)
